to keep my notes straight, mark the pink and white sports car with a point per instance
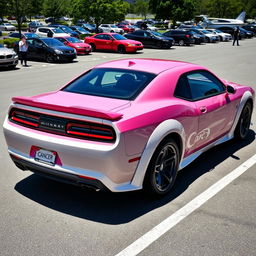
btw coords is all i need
(127, 124)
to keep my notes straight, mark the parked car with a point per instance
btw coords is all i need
(8, 57)
(80, 30)
(113, 42)
(222, 36)
(49, 50)
(27, 35)
(66, 30)
(199, 38)
(126, 28)
(1, 33)
(7, 27)
(89, 27)
(81, 47)
(55, 32)
(248, 34)
(32, 26)
(210, 37)
(127, 124)
(111, 28)
(151, 39)
(230, 30)
(180, 36)
(250, 27)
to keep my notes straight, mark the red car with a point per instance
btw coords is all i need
(81, 48)
(113, 42)
(126, 28)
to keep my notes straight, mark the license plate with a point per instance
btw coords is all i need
(45, 156)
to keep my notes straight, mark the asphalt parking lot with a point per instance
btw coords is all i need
(43, 217)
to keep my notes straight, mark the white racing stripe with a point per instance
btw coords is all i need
(151, 236)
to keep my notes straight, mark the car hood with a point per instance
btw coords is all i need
(63, 48)
(99, 107)
(79, 44)
(60, 35)
(6, 51)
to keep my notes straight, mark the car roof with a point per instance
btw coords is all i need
(155, 66)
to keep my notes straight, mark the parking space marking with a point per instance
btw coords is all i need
(144, 241)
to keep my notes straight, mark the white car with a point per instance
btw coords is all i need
(55, 32)
(111, 28)
(7, 27)
(8, 58)
(223, 36)
(210, 37)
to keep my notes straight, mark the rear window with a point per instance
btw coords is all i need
(111, 83)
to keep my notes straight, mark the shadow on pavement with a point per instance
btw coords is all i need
(119, 208)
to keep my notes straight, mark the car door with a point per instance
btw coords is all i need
(31, 48)
(109, 42)
(100, 41)
(39, 49)
(215, 110)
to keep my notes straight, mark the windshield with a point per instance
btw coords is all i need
(31, 35)
(156, 33)
(57, 30)
(218, 31)
(73, 40)
(111, 83)
(67, 29)
(52, 42)
(205, 31)
(119, 37)
(81, 29)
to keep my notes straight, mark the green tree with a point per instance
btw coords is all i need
(56, 8)
(100, 11)
(141, 7)
(4, 8)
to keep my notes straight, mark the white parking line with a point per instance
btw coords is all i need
(151, 236)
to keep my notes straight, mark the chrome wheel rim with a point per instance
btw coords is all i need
(165, 167)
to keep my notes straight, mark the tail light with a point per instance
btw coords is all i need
(63, 126)
(103, 133)
(24, 118)
(187, 36)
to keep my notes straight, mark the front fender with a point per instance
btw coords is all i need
(161, 131)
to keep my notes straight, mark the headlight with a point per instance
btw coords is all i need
(79, 47)
(131, 44)
(58, 51)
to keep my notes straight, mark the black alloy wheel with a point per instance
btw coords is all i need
(162, 171)
(243, 125)
(121, 49)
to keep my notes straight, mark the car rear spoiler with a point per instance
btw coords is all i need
(112, 116)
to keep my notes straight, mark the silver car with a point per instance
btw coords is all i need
(8, 58)
(7, 27)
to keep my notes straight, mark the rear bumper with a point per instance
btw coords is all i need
(106, 163)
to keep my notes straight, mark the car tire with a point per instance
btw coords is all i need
(121, 49)
(50, 58)
(162, 170)
(181, 42)
(207, 40)
(93, 47)
(159, 45)
(243, 125)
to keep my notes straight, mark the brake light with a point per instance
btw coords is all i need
(187, 36)
(90, 131)
(24, 118)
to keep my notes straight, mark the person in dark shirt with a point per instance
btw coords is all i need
(236, 36)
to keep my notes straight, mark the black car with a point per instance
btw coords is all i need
(248, 34)
(250, 27)
(27, 35)
(66, 29)
(181, 36)
(80, 30)
(49, 50)
(151, 39)
(88, 27)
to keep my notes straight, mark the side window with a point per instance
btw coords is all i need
(107, 37)
(198, 85)
(203, 84)
(139, 33)
(38, 43)
(99, 37)
(182, 89)
(61, 39)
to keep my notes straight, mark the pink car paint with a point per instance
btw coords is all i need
(139, 125)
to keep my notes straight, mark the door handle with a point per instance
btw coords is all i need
(203, 109)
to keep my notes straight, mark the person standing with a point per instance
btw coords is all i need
(236, 36)
(23, 48)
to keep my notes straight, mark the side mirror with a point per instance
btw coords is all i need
(230, 89)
